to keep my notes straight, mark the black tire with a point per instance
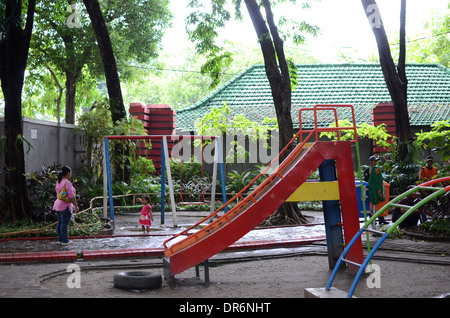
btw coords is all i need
(137, 280)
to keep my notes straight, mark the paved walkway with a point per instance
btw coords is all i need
(128, 241)
(23, 278)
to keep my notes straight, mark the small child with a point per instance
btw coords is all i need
(146, 217)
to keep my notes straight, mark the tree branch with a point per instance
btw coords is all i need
(277, 41)
(263, 34)
(401, 67)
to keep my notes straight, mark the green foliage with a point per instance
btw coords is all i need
(191, 179)
(412, 152)
(439, 226)
(96, 124)
(214, 123)
(93, 125)
(24, 225)
(61, 54)
(292, 28)
(237, 181)
(293, 73)
(215, 65)
(399, 175)
(202, 25)
(437, 139)
(42, 190)
(430, 49)
(88, 183)
(397, 233)
(83, 224)
(41, 187)
(187, 171)
(376, 133)
(440, 47)
(219, 122)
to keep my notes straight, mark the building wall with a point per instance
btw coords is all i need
(50, 144)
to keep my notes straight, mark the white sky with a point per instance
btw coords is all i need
(343, 24)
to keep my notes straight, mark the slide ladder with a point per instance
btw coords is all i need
(435, 192)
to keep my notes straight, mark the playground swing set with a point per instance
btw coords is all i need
(203, 198)
(215, 143)
(279, 183)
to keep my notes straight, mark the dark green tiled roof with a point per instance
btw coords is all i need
(361, 85)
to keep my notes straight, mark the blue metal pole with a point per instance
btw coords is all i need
(109, 181)
(332, 216)
(222, 172)
(344, 254)
(365, 263)
(163, 183)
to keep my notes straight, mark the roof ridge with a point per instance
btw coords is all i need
(305, 65)
(217, 91)
(365, 64)
(443, 68)
(361, 85)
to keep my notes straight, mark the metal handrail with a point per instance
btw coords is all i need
(336, 129)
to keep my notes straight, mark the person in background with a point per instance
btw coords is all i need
(372, 163)
(374, 177)
(146, 218)
(428, 172)
(64, 204)
(412, 219)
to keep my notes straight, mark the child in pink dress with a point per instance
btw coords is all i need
(146, 217)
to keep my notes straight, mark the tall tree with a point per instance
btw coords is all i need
(109, 61)
(276, 66)
(59, 45)
(278, 69)
(63, 39)
(16, 24)
(395, 76)
(279, 76)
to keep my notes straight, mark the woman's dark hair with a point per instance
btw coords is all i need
(64, 171)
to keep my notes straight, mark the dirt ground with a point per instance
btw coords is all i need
(270, 278)
(408, 269)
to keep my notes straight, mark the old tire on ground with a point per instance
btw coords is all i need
(137, 280)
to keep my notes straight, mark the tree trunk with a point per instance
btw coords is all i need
(60, 90)
(14, 45)
(395, 78)
(109, 62)
(71, 89)
(280, 83)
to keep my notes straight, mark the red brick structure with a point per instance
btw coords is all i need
(384, 113)
(158, 120)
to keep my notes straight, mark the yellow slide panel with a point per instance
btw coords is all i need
(316, 191)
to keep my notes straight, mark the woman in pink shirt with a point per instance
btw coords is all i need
(64, 209)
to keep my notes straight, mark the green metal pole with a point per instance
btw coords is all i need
(363, 193)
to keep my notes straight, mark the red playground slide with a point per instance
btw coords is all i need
(186, 250)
